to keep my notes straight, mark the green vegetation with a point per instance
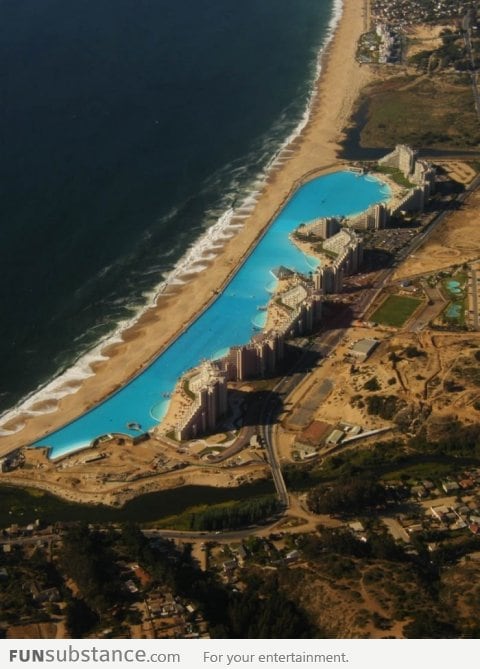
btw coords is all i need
(414, 352)
(454, 313)
(230, 515)
(451, 53)
(468, 368)
(329, 254)
(368, 47)
(397, 110)
(23, 506)
(457, 448)
(87, 557)
(93, 560)
(16, 598)
(384, 406)
(424, 626)
(395, 174)
(348, 496)
(187, 391)
(260, 611)
(395, 310)
(372, 384)
(422, 470)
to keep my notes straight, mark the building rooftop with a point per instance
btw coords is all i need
(364, 347)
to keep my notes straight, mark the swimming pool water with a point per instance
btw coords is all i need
(454, 287)
(229, 320)
(454, 310)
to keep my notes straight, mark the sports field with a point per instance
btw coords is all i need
(395, 310)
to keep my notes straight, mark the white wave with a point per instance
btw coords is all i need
(211, 240)
(209, 256)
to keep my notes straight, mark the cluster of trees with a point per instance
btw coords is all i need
(236, 515)
(414, 352)
(260, 611)
(372, 384)
(16, 601)
(427, 626)
(342, 542)
(347, 496)
(384, 406)
(87, 557)
(456, 440)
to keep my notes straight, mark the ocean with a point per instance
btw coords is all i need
(130, 127)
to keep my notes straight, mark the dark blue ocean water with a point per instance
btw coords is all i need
(127, 127)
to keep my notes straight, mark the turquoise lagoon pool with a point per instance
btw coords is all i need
(454, 310)
(454, 287)
(231, 320)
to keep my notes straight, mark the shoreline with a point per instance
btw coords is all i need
(314, 152)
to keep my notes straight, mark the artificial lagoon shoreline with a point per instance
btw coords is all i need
(312, 154)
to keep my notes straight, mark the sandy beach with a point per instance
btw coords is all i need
(315, 152)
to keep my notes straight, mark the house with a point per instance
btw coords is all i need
(450, 486)
(241, 554)
(45, 595)
(229, 565)
(440, 512)
(419, 491)
(131, 587)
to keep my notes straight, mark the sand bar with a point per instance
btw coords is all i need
(315, 152)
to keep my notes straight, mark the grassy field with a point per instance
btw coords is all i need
(398, 110)
(395, 310)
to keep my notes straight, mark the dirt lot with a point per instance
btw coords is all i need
(458, 171)
(456, 241)
(114, 471)
(424, 38)
(427, 377)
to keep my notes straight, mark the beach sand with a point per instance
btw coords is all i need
(315, 152)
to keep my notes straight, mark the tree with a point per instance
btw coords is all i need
(428, 626)
(347, 496)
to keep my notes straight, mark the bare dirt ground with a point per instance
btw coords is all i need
(114, 472)
(354, 599)
(431, 376)
(456, 241)
(458, 171)
(424, 38)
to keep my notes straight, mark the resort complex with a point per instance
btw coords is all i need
(298, 311)
(287, 443)
(296, 307)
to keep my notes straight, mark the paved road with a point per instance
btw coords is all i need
(467, 36)
(266, 430)
(431, 311)
(474, 289)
